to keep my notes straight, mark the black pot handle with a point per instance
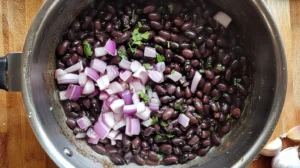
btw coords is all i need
(10, 72)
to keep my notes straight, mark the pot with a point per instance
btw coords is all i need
(32, 73)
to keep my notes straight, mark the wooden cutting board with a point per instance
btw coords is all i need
(18, 145)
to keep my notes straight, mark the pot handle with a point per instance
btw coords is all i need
(10, 72)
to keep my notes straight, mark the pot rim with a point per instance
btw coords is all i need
(59, 158)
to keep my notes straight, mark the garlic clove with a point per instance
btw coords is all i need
(294, 134)
(272, 148)
(288, 158)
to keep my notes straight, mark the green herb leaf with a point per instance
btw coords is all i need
(157, 136)
(236, 81)
(160, 58)
(147, 87)
(169, 44)
(211, 128)
(225, 94)
(145, 35)
(214, 98)
(208, 65)
(220, 67)
(164, 124)
(127, 28)
(126, 85)
(147, 66)
(228, 117)
(133, 150)
(173, 71)
(197, 116)
(169, 135)
(156, 46)
(140, 24)
(122, 53)
(87, 48)
(133, 50)
(144, 96)
(137, 37)
(159, 156)
(171, 7)
(202, 71)
(154, 120)
(194, 45)
(133, 15)
(179, 107)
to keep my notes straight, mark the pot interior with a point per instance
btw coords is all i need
(258, 113)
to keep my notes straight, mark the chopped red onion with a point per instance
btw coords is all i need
(112, 72)
(223, 18)
(59, 72)
(135, 98)
(82, 79)
(108, 119)
(111, 99)
(155, 96)
(100, 51)
(135, 126)
(135, 65)
(94, 93)
(114, 88)
(195, 82)
(125, 64)
(76, 67)
(183, 120)
(84, 122)
(94, 140)
(68, 79)
(140, 107)
(113, 142)
(89, 87)
(144, 115)
(141, 74)
(111, 47)
(155, 101)
(175, 76)
(104, 58)
(98, 65)
(129, 109)
(161, 66)
(80, 135)
(62, 95)
(112, 134)
(147, 123)
(149, 92)
(91, 133)
(136, 85)
(73, 92)
(92, 74)
(154, 107)
(101, 129)
(155, 76)
(103, 82)
(150, 52)
(119, 124)
(103, 96)
(127, 96)
(128, 126)
(118, 137)
(117, 106)
(125, 75)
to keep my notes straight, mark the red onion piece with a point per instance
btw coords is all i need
(112, 134)
(103, 82)
(101, 129)
(91, 73)
(100, 52)
(82, 79)
(114, 88)
(161, 66)
(135, 126)
(80, 135)
(108, 119)
(112, 72)
(111, 47)
(119, 124)
(125, 75)
(183, 120)
(98, 65)
(84, 122)
(223, 18)
(135, 65)
(175, 76)
(111, 99)
(155, 76)
(113, 142)
(125, 64)
(94, 140)
(150, 52)
(103, 96)
(195, 82)
(68, 79)
(140, 107)
(59, 72)
(127, 97)
(91, 133)
(76, 67)
(94, 93)
(89, 87)
(136, 85)
(144, 115)
(62, 95)
(141, 74)
(73, 92)
(147, 123)
(118, 116)
(117, 106)
(149, 92)
(118, 137)
(155, 96)
(128, 126)
(129, 109)
(154, 107)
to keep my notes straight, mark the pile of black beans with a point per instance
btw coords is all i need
(186, 34)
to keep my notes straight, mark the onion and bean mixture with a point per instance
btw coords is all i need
(152, 82)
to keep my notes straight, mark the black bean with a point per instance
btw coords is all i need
(166, 149)
(242, 89)
(165, 34)
(149, 9)
(209, 74)
(190, 34)
(128, 157)
(234, 65)
(156, 25)
(203, 151)
(228, 75)
(206, 142)
(121, 39)
(178, 141)
(63, 47)
(187, 53)
(178, 22)
(138, 160)
(186, 148)
(153, 156)
(160, 90)
(148, 131)
(160, 40)
(99, 149)
(169, 160)
(226, 128)
(151, 163)
(207, 87)
(71, 123)
(168, 113)
(215, 139)
(194, 140)
(183, 158)
(117, 159)
(179, 92)
(136, 143)
(154, 16)
(236, 112)
(186, 26)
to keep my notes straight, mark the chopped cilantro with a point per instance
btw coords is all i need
(225, 94)
(147, 87)
(147, 66)
(122, 53)
(156, 46)
(173, 71)
(160, 58)
(220, 67)
(133, 50)
(202, 71)
(179, 108)
(160, 156)
(133, 15)
(133, 150)
(214, 98)
(164, 124)
(87, 48)
(208, 65)
(228, 117)
(194, 45)
(197, 116)
(154, 120)
(236, 81)
(169, 135)
(171, 7)
(140, 25)
(169, 43)
(127, 28)
(202, 62)
(157, 136)
(126, 85)
(211, 128)
(144, 96)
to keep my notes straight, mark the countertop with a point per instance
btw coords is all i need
(18, 145)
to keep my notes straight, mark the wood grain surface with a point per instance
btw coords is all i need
(18, 145)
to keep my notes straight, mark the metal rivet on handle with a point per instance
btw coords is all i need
(68, 152)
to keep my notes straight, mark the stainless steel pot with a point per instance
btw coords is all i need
(40, 96)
